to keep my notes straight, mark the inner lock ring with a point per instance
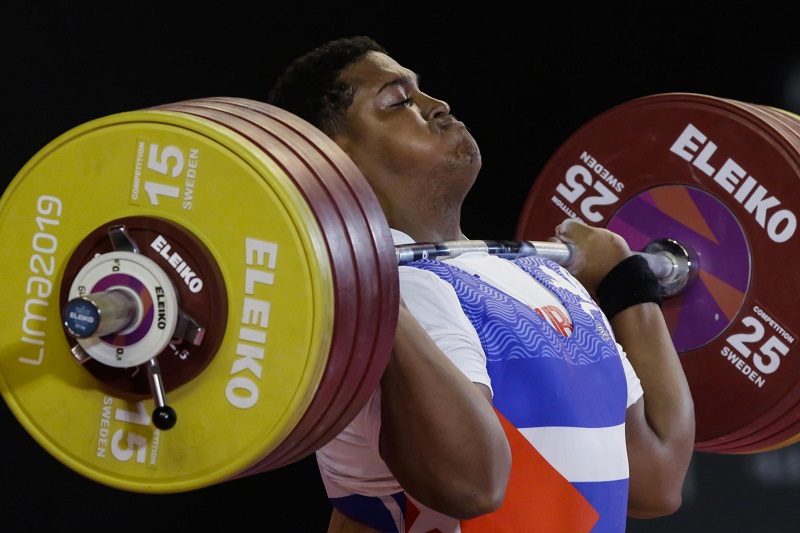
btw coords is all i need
(181, 362)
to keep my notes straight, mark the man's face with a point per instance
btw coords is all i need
(407, 144)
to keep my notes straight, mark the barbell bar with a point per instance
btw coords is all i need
(118, 310)
(285, 277)
(670, 261)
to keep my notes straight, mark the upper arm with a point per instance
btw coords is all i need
(440, 436)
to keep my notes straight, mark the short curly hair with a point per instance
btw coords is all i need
(310, 86)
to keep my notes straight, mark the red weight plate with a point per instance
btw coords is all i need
(782, 422)
(783, 418)
(368, 357)
(292, 158)
(792, 118)
(354, 389)
(377, 270)
(781, 122)
(781, 426)
(720, 158)
(778, 445)
(347, 383)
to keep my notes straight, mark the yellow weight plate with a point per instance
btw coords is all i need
(232, 197)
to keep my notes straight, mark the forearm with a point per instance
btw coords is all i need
(661, 427)
(440, 435)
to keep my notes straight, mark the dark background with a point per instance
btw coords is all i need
(522, 78)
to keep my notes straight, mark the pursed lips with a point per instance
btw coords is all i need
(446, 121)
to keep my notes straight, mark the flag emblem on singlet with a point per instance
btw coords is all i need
(549, 504)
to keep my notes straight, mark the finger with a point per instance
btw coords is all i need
(566, 231)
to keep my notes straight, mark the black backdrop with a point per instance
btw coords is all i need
(522, 78)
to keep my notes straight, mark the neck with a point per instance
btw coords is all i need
(425, 231)
(426, 221)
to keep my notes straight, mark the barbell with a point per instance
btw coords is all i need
(226, 304)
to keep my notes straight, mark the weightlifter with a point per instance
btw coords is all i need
(511, 401)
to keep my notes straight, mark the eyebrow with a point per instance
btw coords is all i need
(401, 80)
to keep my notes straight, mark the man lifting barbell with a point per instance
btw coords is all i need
(509, 400)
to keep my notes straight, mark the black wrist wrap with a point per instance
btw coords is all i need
(629, 283)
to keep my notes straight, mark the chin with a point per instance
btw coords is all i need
(472, 152)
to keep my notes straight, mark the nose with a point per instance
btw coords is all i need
(435, 107)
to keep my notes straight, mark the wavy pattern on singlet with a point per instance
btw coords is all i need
(533, 337)
(542, 379)
(590, 325)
